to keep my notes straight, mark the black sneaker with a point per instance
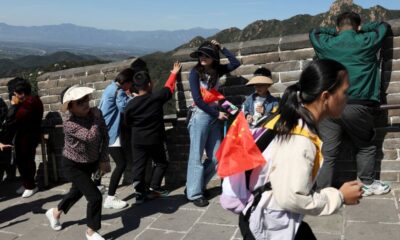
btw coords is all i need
(200, 202)
(140, 198)
(158, 192)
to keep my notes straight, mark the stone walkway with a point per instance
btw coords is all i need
(173, 218)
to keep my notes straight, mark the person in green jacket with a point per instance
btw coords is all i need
(356, 47)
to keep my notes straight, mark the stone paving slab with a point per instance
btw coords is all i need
(201, 231)
(127, 228)
(175, 218)
(181, 221)
(362, 231)
(217, 215)
(152, 234)
(8, 236)
(373, 210)
(332, 224)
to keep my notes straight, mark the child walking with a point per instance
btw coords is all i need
(144, 115)
(85, 150)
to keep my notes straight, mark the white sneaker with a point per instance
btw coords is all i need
(95, 236)
(29, 192)
(112, 202)
(20, 190)
(376, 188)
(54, 222)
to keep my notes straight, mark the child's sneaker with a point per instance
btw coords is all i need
(29, 192)
(158, 192)
(95, 236)
(376, 188)
(54, 222)
(112, 202)
(140, 197)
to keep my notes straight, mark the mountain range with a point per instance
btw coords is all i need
(44, 39)
(32, 64)
(161, 62)
(91, 41)
(302, 23)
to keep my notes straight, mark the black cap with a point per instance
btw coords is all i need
(208, 49)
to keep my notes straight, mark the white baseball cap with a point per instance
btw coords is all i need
(74, 93)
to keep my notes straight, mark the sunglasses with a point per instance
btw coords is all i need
(83, 100)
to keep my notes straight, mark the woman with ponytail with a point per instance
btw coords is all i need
(294, 158)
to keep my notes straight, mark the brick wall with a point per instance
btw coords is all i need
(286, 57)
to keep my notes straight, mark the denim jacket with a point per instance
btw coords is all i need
(269, 104)
(112, 105)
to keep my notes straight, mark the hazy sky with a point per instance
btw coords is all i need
(162, 14)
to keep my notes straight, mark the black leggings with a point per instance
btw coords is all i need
(141, 155)
(82, 185)
(120, 159)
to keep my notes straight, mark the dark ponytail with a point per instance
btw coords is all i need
(319, 76)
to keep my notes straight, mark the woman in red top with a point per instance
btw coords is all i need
(23, 123)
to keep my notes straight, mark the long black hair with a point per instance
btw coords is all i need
(319, 76)
(125, 76)
(210, 75)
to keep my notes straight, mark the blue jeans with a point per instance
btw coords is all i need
(205, 134)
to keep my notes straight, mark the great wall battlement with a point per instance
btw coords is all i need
(286, 57)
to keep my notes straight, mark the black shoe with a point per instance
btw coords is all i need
(158, 192)
(200, 202)
(140, 197)
(206, 193)
(185, 194)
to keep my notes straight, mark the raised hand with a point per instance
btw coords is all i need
(216, 43)
(177, 67)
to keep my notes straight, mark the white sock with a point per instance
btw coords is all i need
(110, 198)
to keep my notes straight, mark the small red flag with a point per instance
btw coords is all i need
(210, 96)
(238, 151)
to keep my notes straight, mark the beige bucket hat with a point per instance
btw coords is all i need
(260, 80)
(74, 93)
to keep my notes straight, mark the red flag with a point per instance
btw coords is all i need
(210, 96)
(238, 151)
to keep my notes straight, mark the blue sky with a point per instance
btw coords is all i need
(162, 14)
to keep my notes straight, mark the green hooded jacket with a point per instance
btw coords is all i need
(357, 51)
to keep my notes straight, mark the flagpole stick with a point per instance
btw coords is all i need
(225, 127)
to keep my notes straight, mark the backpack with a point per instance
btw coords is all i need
(238, 189)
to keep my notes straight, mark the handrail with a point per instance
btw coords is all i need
(389, 106)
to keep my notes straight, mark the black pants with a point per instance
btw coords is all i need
(25, 151)
(120, 158)
(5, 164)
(82, 185)
(141, 155)
(357, 121)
